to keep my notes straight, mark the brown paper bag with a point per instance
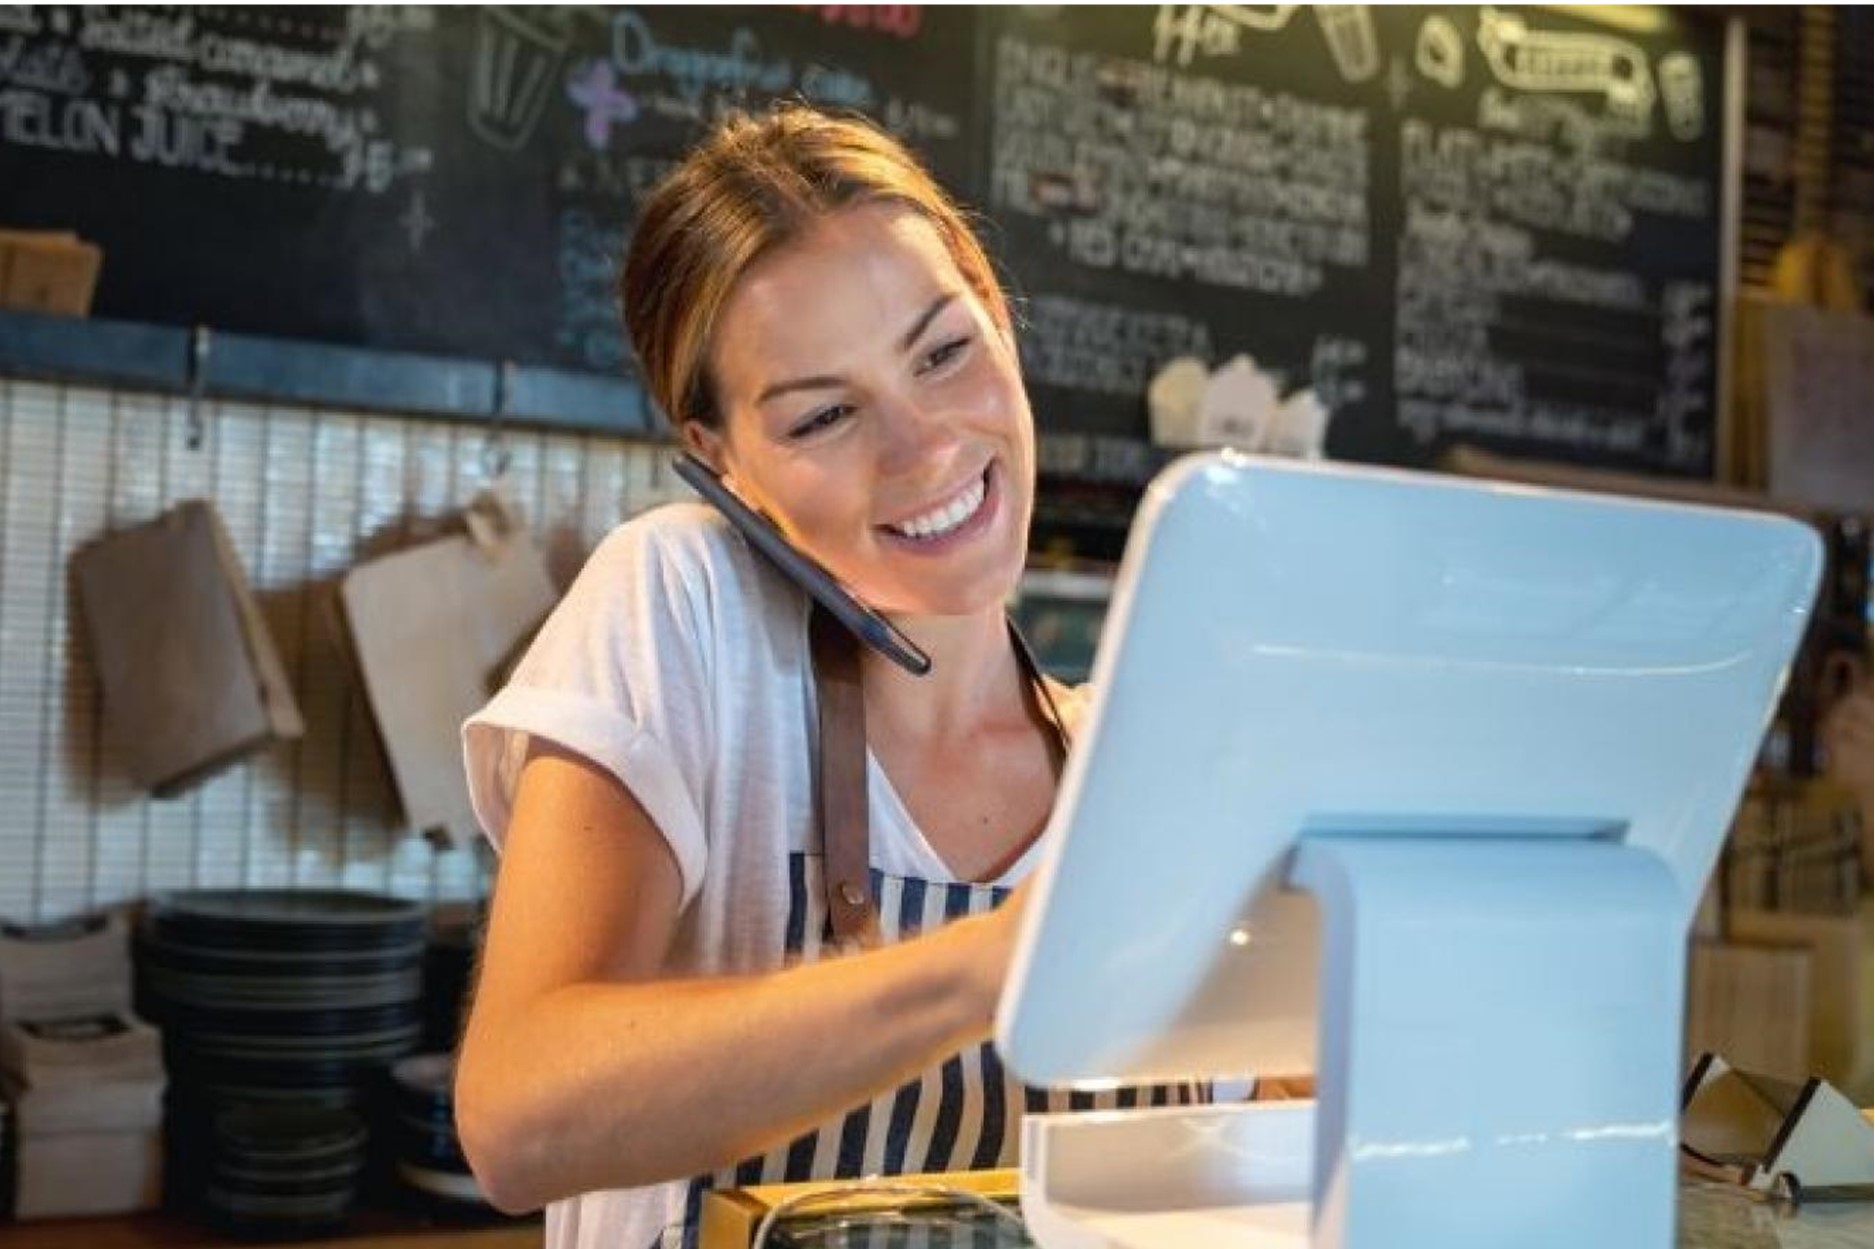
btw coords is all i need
(431, 626)
(190, 675)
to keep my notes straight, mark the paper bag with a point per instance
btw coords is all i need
(190, 675)
(431, 626)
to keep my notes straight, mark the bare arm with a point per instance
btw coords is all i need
(580, 1070)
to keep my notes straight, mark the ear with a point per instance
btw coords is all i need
(712, 447)
(704, 443)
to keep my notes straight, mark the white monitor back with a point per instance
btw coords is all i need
(1297, 648)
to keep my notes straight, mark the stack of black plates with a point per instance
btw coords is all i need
(448, 965)
(284, 1171)
(288, 999)
(423, 1122)
(9, 1156)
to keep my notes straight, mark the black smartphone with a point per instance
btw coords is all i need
(865, 624)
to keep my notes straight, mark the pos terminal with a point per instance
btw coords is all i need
(1414, 783)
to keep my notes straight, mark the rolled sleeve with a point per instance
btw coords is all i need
(495, 744)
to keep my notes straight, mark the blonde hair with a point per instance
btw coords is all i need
(751, 186)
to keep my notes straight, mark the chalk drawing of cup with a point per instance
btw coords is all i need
(517, 58)
(1349, 29)
(1684, 94)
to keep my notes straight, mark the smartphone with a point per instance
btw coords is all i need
(864, 623)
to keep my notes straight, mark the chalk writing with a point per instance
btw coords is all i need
(902, 21)
(206, 91)
(1532, 184)
(1684, 93)
(827, 84)
(613, 175)
(1686, 332)
(1096, 458)
(589, 257)
(79, 126)
(737, 69)
(1181, 31)
(1103, 348)
(1178, 176)
(417, 221)
(1551, 61)
(48, 67)
(1501, 335)
(917, 122)
(1338, 371)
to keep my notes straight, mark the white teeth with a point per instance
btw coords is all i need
(941, 520)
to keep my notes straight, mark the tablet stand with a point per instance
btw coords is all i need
(1499, 1049)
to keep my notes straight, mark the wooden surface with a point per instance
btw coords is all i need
(160, 1231)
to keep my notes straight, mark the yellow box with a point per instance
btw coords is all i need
(730, 1216)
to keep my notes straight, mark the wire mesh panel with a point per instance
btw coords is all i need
(304, 494)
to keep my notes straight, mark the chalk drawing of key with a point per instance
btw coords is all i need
(517, 57)
(1683, 93)
(1349, 29)
(1440, 51)
(1547, 60)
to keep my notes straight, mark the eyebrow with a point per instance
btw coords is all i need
(825, 381)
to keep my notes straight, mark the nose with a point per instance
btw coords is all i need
(914, 437)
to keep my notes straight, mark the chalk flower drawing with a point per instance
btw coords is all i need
(594, 88)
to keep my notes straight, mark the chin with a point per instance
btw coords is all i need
(989, 592)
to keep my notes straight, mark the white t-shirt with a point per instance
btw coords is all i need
(679, 662)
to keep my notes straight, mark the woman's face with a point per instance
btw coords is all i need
(873, 408)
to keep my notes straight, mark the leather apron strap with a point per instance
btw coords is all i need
(841, 782)
(841, 790)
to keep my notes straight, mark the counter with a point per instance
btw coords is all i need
(1712, 1216)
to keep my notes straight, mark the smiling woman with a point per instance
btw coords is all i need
(659, 1009)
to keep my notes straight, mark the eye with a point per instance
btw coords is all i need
(824, 418)
(943, 354)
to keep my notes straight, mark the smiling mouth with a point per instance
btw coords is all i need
(948, 517)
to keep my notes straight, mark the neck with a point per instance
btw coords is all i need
(974, 676)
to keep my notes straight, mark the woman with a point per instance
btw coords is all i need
(825, 332)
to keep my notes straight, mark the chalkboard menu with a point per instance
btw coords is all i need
(1485, 224)
(456, 181)
(1495, 225)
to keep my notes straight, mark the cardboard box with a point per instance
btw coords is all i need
(1751, 1002)
(1842, 988)
(48, 271)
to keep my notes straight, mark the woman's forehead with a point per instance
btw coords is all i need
(843, 286)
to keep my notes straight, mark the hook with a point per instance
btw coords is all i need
(495, 456)
(199, 342)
